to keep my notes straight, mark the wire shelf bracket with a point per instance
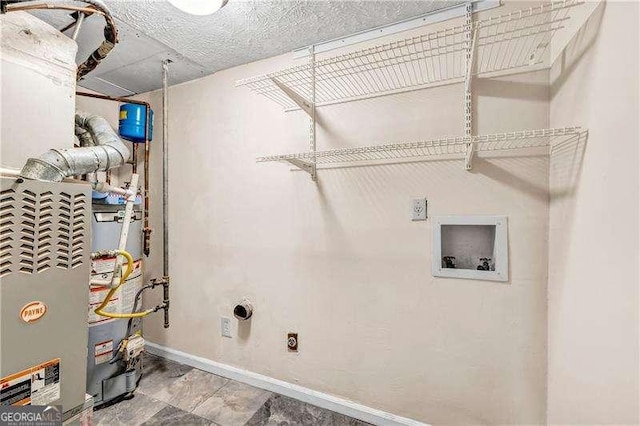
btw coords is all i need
(302, 165)
(304, 104)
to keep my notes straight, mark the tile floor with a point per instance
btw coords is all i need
(174, 394)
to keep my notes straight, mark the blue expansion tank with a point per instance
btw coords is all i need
(132, 121)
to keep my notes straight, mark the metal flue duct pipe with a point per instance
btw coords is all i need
(56, 164)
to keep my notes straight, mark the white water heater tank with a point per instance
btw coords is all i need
(38, 88)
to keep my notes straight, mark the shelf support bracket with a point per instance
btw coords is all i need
(471, 34)
(303, 165)
(310, 108)
(304, 104)
(468, 157)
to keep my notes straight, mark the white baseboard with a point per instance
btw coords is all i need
(319, 399)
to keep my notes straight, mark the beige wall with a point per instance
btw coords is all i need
(340, 261)
(593, 269)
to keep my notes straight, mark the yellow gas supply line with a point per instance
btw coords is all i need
(99, 309)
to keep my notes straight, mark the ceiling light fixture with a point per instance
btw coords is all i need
(199, 7)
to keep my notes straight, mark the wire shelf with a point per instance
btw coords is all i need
(520, 140)
(511, 41)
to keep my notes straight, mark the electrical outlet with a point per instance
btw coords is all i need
(292, 342)
(225, 326)
(419, 209)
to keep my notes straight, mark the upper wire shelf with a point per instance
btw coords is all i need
(511, 41)
(526, 139)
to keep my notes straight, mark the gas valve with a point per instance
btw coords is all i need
(132, 347)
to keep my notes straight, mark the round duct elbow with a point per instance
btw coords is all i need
(56, 164)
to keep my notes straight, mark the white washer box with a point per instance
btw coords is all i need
(471, 247)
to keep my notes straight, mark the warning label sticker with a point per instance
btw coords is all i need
(39, 385)
(103, 352)
(122, 300)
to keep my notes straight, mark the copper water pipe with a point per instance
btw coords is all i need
(13, 7)
(113, 98)
(147, 228)
(134, 162)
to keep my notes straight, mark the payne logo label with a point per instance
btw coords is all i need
(33, 311)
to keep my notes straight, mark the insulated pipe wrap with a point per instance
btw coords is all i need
(56, 164)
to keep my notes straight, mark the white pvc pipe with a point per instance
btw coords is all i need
(105, 187)
(7, 171)
(124, 232)
(100, 283)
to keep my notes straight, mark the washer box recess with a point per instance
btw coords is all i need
(471, 247)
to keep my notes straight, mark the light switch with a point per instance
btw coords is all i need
(225, 327)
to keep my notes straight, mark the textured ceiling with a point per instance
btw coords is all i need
(241, 32)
